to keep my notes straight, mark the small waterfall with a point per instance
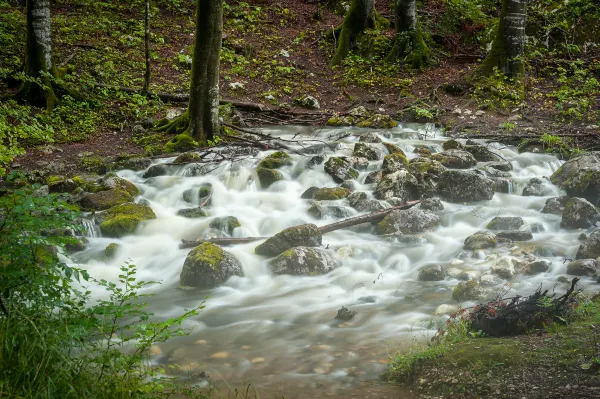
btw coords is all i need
(90, 228)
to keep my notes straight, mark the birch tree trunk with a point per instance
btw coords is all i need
(509, 44)
(360, 16)
(409, 45)
(38, 66)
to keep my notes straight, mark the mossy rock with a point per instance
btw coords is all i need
(467, 291)
(306, 235)
(88, 183)
(188, 157)
(111, 250)
(370, 151)
(225, 224)
(394, 162)
(124, 219)
(111, 181)
(341, 121)
(208, 266)
(480, 240)
(303, 261)
(131, 162)
(329, 194)
(180, 143)
(340, 169)
(268, 176)
(378, 121)
(60, 184)
(393, 148)
(452, 145)
(105, 199)
(192, 213)
(276, 160)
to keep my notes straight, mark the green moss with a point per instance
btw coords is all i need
(451, 145)
(396, 157)
(111, 250)
(188, 157)
(336, 193)
(342, 121)
(124, 219)
(54, 179)
(180, 143)
(105, 199)
(466, 290)
(378, 121)
(276, 160)
(268, 176)
(208, 253)
(393, 149)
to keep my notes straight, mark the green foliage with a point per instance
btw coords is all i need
(370, 73)
(578, 92)
(498, 91)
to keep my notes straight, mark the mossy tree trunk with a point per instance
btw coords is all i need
(201, 120)
(146, 88)
(409, 45)
(360, 16)
(38, 88)
(509, 44)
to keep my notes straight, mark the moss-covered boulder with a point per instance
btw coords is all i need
(225, 224)
(124, 219)
(180, 143)
(505, 223)
(192, 213)
(455, 159)
(60, 184)
(579, 213)
(341, 121)
(393, 149)
(267, 177)
(468, 291)
(340, 169)
(369, 138)
(276, 160)
(156, 170)
(432, 273)
(303, 261)
(306, 235)
(112, 181)
(427, 172)
(408, 221)
(482, 153)
(555, 205)
(400, 184)
(378, 121)
(374, 177)
(131, 162)
(580, 177)
(465, 186)
(330, 194)
(321, 211)
(197, 195)
(370, 151)
(431, 204)
(111, 250)
(590, 249)
(584, 267)
(452, 145)
(208, 266)
(394, 162)
(188, 157)
(105, 199)
(480, 240)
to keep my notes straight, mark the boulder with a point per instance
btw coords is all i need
(374, 177)
(431, 204)
(111, 250)
(276, 160)
(356, 196)
(400, 184)
(580, 177)
(124, 219)
(515, 235)
(367, 205)
(267, 177)
(393, 149)
(60, 184)
(467, 291)
(340, 169)
(505, 223)
(320, 211)
(112, 181)
(369, 138)
(208, 266)
(432, 273)
(358, 163)
(309, 102)
(590, 248)
(505, 267)
(315, 161)
(131, 163)
(482, 153)
(452, 145)
(536, 266)
(310, 193)
(378, 121)
(303, 261)
(105, 199)
(480, 240)
(490, 280)
(197, 194)
(306, 235)
(372, 152)
(536, 188)
(584, 267)
(226, 224)
(555, 205)
(192, 213)
(455, 159)
(187, 157)
(464, 186)
(579, 213)
(329, 194)
(407, 221)
(427, 172)
(393, 163)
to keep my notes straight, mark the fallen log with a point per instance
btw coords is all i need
(328, 228)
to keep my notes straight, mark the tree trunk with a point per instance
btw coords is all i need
(360, 16)
(509, 43)
(203, 107)
(409, 46)
(146, 88)
(38, 67)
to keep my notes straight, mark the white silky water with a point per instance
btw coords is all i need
(279, 332)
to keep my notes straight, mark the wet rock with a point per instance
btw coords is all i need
(515, 235)
(584, 267)
(369, 138)
(422, 151)
(346, 120)
(329, 194)
(112, 181)
(555, 205)
(208, 266)
(480, 240)
(368, 299)
(340, 169)
(393, 149)
(502, 185)
(267, 177)
(535, 227)
(582, 237)
(445, 309)
(111, 250)
(124, 219)
(372, 152)
(378, 121)
(505, 223)
(427, 172)
(393, 163)
(306, 235)
(156, 170)
(131, 163)
(400, 184)
(349, 185)
(579, 213)
(431, 204)
(455, 159)
(374, 177)
(536, 266)
(536, 188)
(360, 112)
(60, 184)
(580, 177)
(406, 221)
(358, 163)
(482, 153)
(315, 161)
(505, 267)
(303, 261)
(356, 196)
(368, 205)
(105, 199)
(308, 102)
(451, 145)
(192, 213)
(501, 166)
(490, 280)
(345, 315)
(432, 273)
(467, 290)
(276, 160)
(320, 211)
(493, 172)
(225, 224)
(310, 193)
(590, 248)
(187, 157)
(465, 186)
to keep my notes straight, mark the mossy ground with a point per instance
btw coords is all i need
(209, 254)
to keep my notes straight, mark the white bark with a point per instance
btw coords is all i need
(40, 12)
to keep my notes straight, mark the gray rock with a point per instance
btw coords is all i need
(340, 169)
(505, 223)
(407, 221)
(353, 198)
(535, 227)
(505, 267)
(368, 205)
(225, 224)
(359, 111)
(464, 186)
(374, 177)
(480, 240)
(580, 177)
(467, 290)
(591, 247)
(345, 315)
(555, 205)
(358, 163)
(309, 102)
(310, 193)
(584, 267)
(369, 138)
(321, 211)
(315, 161)
(432, 273)
(306, 235)
(400, 184)
(62, 186)
(515, 235)
(303, 261)
(156, 170)
(490, 280)
(536, 266)
(208, 266)
(455, 159)
(393, 163)
(482, 153)
(370, 151)
(191, 213)
(536, 190)
(503, 185)
(579, 213)
(431, 204)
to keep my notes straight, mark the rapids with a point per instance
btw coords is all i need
(278, 332)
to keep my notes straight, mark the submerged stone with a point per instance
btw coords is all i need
(480, 240)
(276, 160)
(306, 235)
(208, 266)
(467, 290)
(303, 261)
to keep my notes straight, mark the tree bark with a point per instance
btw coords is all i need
(509, 44)
(409, 45)
(38, 67)
(203, 107)
(146, 88)
(360, 16)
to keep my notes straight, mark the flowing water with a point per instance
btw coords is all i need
(278, 332)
